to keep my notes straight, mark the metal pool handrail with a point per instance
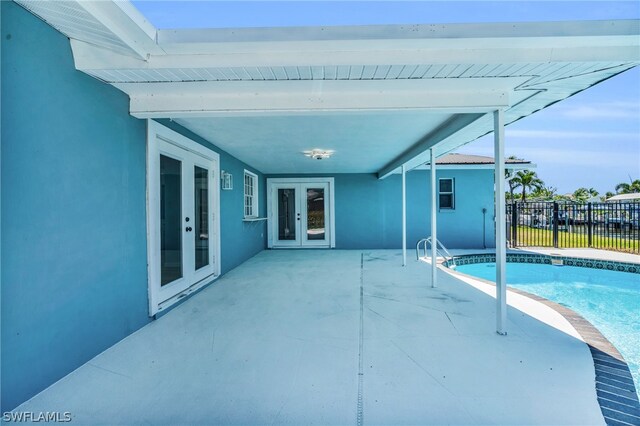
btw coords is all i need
(442, 251)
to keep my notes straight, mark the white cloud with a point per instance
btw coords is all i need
(604, 110)
(596, 158)
(565, 134)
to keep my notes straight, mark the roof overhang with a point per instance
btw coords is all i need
(507, 166)
(624, 197)
(380, 95)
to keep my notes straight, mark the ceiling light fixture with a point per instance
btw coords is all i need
(319, 154)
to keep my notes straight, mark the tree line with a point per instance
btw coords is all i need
(526, 185)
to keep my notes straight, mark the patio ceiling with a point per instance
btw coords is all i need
(380, 96)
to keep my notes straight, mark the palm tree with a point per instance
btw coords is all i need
(628, 188)
(581, 195)
(606, 196)
(544, 193)
(561, 197)
(508, 174)
(526, 179)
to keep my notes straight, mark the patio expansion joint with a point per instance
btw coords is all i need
(359, 407)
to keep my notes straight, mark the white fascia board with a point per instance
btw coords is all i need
(208, 99)
(396, 55)
(126, 23)
(441, 51)
(584, 41)
(311, 56)
(519, 34)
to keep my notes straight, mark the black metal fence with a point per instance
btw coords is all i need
(611, 226)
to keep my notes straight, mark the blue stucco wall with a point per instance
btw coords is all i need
(73, 267)
(369, 211)
(73, 211)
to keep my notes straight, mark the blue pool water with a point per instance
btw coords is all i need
(610, 300)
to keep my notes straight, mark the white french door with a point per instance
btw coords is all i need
(300, 213)
(182, 210)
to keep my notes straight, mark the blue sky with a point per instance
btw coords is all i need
(591, 139)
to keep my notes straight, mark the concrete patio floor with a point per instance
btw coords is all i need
(337, 337)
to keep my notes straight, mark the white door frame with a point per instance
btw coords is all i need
(159, 136)
(273, 183)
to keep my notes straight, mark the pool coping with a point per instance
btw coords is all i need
(614, 384)
(556, 259)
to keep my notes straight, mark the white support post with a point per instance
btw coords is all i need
(501, 224)
(404, 215)
(434, 227)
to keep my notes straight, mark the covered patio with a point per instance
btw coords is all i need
(337, 337)
(385, 99)
(237, 333)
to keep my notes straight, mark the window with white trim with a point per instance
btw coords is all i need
(250, 194)
(446, 194)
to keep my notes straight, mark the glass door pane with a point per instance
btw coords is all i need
(201, 222)
(170, 220)
(287, 214)
(315, 214)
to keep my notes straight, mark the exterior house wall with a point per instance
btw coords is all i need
(369, 211)
(73, 199)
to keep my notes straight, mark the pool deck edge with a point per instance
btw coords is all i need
(614, 384)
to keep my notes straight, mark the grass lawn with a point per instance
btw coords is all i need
(535, 237)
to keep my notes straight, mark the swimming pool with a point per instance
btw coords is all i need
(610, 300)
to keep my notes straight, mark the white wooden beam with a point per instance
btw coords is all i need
(313, 58)
(447, 129)
(572, 33)
(126, 23)
(501, 224)
(592, 41)
(209, 99)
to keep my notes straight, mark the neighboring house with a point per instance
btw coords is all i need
(111, 213)
(624, 198)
